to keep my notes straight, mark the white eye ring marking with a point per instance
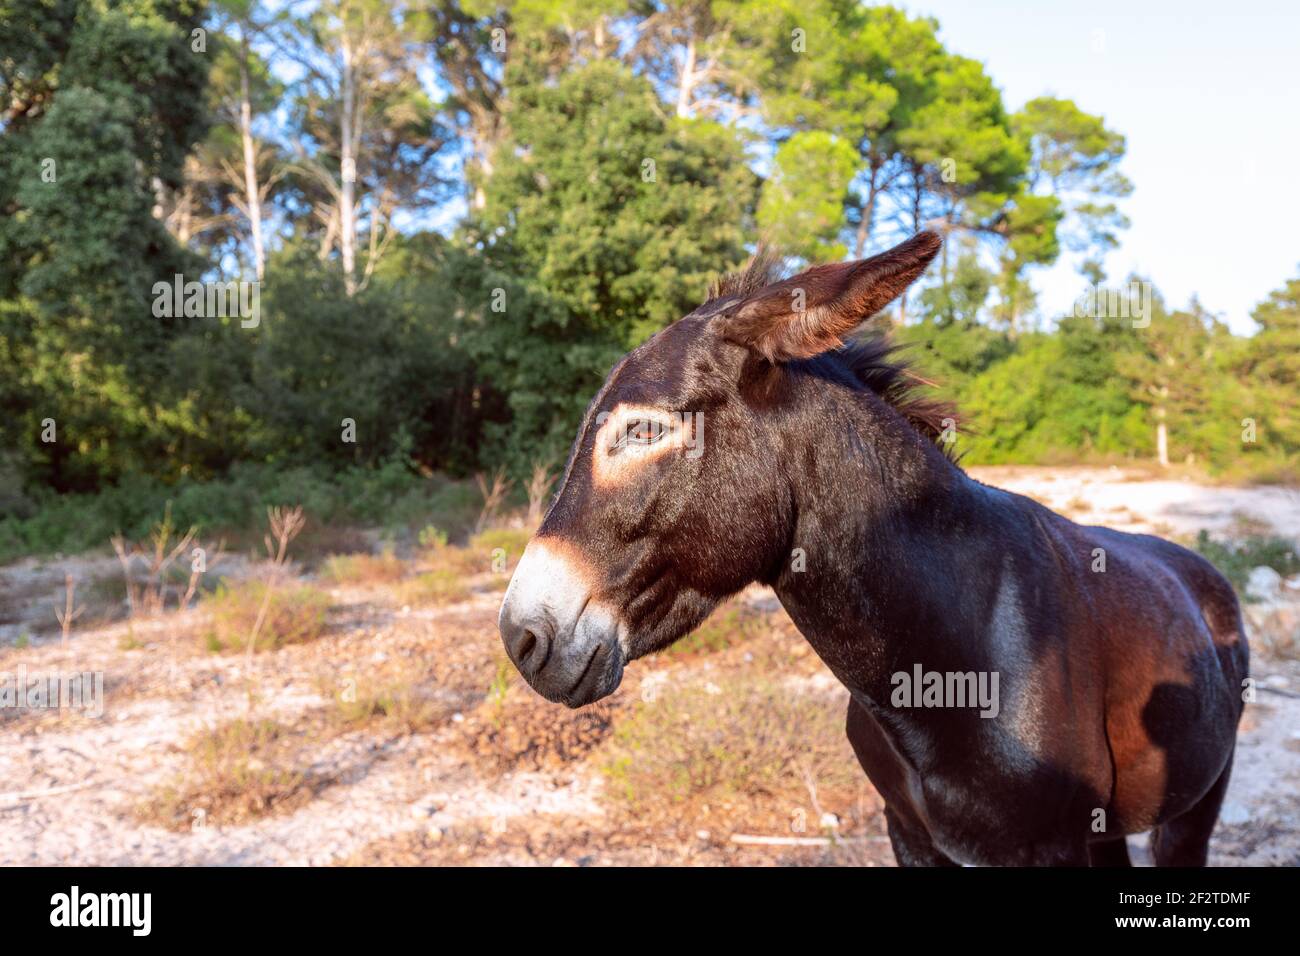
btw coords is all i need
(629, 436)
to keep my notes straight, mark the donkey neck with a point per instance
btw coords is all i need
(882, 522)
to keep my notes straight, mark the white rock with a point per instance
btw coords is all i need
(1231, 813)
(1263, 583)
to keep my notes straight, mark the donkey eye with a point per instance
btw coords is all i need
(643, 431)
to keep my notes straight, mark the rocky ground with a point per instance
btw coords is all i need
(451, 761)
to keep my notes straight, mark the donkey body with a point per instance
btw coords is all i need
(1119, 659)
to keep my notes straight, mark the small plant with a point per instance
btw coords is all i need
(432, 538)
(278, 616)
(382, 568)
(398, 703)
(158, 556)
(741, 740)
(236, 771)
(497, 692)
(68, 613)
(497, 549)
(726, 627)
(538, 488)
(285, 523)
(494, 492)
(439, 586)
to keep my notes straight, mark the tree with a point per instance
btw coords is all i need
(802, 207)
(1076, 158)
(614, 218)
(367, 132)
(1169, 371)
(101, 110)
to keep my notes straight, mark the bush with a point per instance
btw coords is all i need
(392, 496)
(238, 770)
(441, 586)
(738, 740)
(295, 615)
(365, 568)
(1235, 559)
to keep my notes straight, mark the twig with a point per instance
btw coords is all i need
(47, 792)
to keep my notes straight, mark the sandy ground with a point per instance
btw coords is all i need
(73, 783)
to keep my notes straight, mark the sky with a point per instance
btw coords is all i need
(1208, 96)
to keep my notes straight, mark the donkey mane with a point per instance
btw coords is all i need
(872, 359)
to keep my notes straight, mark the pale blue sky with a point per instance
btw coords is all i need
(1208, 95)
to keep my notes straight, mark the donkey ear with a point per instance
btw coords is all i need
(812, 312)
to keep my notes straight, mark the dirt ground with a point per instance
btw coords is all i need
(482, 772)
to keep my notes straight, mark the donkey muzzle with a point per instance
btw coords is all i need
(566, 645)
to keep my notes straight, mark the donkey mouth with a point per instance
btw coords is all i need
(600, 677)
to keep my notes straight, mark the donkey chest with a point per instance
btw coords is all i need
(970, 814)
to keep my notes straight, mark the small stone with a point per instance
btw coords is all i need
(1233, 813)
(1263, 583)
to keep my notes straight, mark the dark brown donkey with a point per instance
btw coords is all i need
(1023, 690)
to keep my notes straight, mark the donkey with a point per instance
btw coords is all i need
(1119, 660)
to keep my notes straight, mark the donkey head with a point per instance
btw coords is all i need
(677, 490)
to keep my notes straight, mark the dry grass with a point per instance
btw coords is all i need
(513, 728)
(382, 568)
(439, 586)
(745, 749)
(236, 771)
(494, 551)
(294, 614)
(395, 698)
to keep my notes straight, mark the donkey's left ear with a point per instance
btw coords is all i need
(812, 312)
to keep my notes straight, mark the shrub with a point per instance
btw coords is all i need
(741, 739)
(440, 586)
(237, 770)
(399, 702)
(1235, 559)
(382, 568)
(296, 614)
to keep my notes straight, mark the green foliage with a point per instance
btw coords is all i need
(619, 218)
(606, 183)
(1236, 559)
(390, 496)
(107, 100)
(801, 211)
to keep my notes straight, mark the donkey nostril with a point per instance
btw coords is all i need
(526, 646)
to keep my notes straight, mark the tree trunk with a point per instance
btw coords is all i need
(867, 222)
(686, 82)
(1162, 435)
(348, 174)
(252, 194)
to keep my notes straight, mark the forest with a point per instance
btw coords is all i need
(339, 252)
